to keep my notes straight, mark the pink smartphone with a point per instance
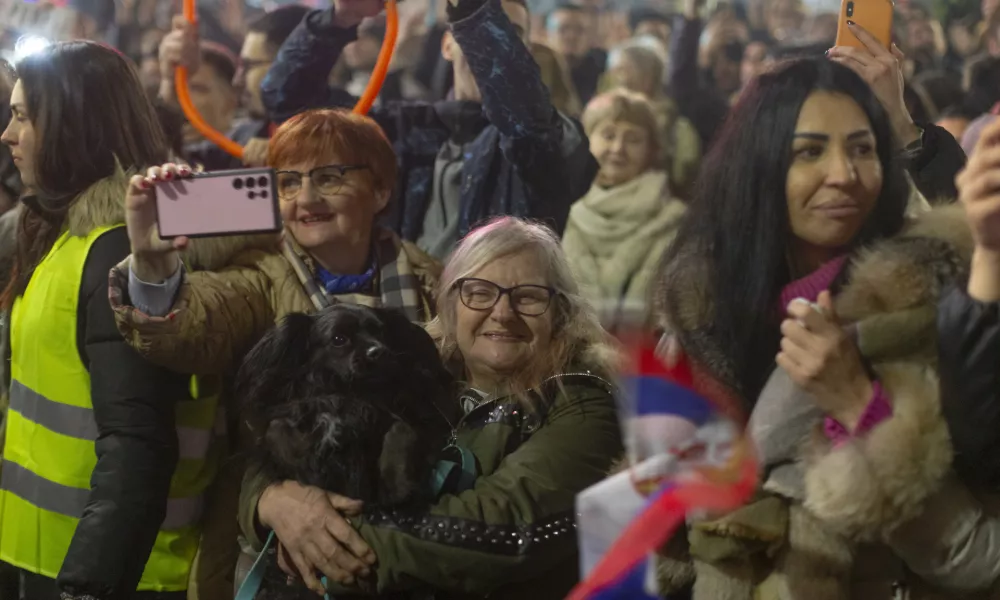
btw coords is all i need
(220, 203)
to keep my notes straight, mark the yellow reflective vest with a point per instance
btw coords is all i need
(49, 453)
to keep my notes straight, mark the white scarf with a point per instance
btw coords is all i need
(613, 233)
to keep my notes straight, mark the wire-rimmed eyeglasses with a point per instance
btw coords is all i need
(328, 180)
(525, 300)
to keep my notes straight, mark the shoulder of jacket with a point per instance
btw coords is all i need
(573, 386)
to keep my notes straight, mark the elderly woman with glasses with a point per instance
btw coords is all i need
(198, 311)
(539, 427)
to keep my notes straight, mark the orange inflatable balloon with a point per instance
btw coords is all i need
(362, 107)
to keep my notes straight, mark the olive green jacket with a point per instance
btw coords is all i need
(514, 534)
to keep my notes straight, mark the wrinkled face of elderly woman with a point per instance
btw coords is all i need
(504, 317)
(328, 202)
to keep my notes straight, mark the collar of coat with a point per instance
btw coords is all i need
(100, 205)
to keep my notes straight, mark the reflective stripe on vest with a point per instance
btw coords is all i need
(77, 422)
(50, 456)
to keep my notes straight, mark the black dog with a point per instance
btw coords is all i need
(352, 400)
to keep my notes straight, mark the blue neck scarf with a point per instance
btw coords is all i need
(336, 285)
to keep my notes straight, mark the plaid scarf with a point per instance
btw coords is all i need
(397, 286)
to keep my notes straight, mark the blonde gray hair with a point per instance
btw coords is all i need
(621, 105)
(578, 340)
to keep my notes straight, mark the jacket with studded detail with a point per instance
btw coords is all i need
(513, 535)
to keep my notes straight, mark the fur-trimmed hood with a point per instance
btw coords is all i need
(100, 205)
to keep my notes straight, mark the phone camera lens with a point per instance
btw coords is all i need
(262, 181)
(263, 194)
(251, 195)
(850, 9)
(251, 182)
(238, 184)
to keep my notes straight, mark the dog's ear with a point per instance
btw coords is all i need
(406, 335)
(270, 369)
(423, 358)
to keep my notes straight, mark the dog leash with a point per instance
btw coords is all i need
(460, 473)
(251, 585)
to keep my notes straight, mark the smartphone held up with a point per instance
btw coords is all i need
(237, 202)
(875, 16)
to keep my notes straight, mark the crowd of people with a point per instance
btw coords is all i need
(815, 227)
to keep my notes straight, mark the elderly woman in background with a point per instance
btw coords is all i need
(617, 233)
(640, 65)
(539, 417)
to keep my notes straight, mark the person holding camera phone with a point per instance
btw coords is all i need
(498, 147)
(931, 155)
(969, 326)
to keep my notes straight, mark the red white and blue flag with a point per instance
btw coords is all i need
(688, 456)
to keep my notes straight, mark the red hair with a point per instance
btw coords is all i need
(335, 135)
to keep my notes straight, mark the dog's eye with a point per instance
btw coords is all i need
(339, 341)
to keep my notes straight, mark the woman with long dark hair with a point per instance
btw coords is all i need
(93, 432)
(799, 286)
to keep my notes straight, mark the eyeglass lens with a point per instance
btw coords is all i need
(528, 300)
(326, 180)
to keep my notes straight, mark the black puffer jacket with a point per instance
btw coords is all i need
(969, 348)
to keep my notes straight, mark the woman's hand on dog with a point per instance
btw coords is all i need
(153, 259)
(314, 535)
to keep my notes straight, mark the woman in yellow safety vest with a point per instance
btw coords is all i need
(94, 434)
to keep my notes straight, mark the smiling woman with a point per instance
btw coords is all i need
(540, 422)
(797, 285)
(336, 171)
(617, 233)
(834, 179)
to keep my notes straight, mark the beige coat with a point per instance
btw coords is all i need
(237, 289)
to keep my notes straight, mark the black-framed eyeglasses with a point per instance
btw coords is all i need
(526, 300)
(327, 180)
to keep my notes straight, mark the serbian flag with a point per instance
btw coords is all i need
(688, 455)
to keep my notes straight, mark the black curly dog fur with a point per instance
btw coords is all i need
(352, 400)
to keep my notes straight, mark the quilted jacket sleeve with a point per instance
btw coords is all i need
(216, 318)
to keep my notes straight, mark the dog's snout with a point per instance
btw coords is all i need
(375, 351)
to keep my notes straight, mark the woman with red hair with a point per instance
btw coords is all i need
(335, 174)
(199, 310)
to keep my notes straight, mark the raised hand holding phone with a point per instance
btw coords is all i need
(873, 16)
(153, 258)
(881, 66)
